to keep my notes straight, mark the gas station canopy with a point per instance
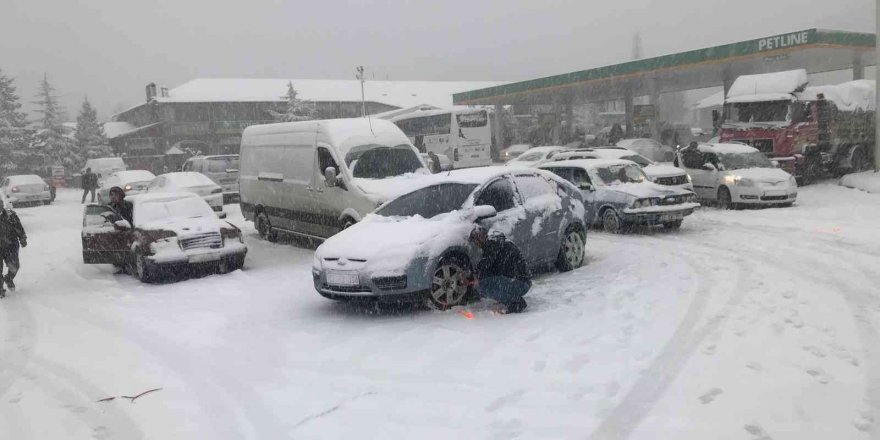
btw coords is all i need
(815, 50)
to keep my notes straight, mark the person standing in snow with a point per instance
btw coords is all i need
(435, 162)
(122, 207)
(502, 273)
(89, 184)
(11, 236)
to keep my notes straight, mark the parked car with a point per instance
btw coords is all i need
(133, 182)
(187, 181)
(514, 151)
(105, 166)
(222, 169)
(27, 189)
(416, 246)
(658, 173)
(734, 175)
(171, 230)
(619, 195)
(315, 178)
(534, 155)
(649, 148)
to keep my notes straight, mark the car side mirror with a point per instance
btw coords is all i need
(330, 176)
(586, 187)
(709, 167)
(122, 224)
(483, 212)
(221, 215)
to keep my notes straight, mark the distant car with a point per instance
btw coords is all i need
(660, 174)
(192, 182)
(133, 182)
(734, 174)
(171, 230)
(649, 148)
(27, 189)
(222, 169)
(514, 151)
(534, 155)
(105, 166)
(416, 246)
(618, 195)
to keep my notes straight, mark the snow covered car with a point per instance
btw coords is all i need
(189, 181)
(171, 230)
(658, 173)
(618, 195)
(103, 167)
(221, 169)
(735, 174)
(514, 151)
(649, 148)
(533, 156)
(133, 182)
(26, 189)
(416, 246)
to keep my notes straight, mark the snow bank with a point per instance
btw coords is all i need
(867, 181)
(775, 83)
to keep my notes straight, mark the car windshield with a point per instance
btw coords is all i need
(735, 161)
(617, 174)
(639, 159)
(770, 111)
(170, 210)
(429, 202)
(379, 162)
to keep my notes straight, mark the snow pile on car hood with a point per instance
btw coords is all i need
(766, 175)
(647, 189)
(656, 170)
(389, 244)
(184, 226)
(382, 190)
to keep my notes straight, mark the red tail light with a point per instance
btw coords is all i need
(14, 189)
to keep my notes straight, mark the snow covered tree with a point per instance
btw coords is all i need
(89, 136)
(15, 137)
(297, 109)
(52, 147)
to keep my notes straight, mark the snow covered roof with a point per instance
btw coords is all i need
(396, 93)
(848, 96)
(776, 83)
(761, 97)
(714, 100)
(113, 128)
(726, 148)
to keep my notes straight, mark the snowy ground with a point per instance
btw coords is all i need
(750, 324)
(866, 181)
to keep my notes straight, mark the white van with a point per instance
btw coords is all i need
(315, 178)
(222, 169)
(105, 166)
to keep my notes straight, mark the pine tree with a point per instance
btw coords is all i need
(52, 147)
(15, 137)
(297, 109)
(90, 138)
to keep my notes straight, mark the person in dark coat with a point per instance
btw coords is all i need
(122, 207)
(89, 184)
(12, 236)
(435, 162)
(502, 273)
(616, 134)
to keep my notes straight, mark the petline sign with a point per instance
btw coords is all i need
(785, 40)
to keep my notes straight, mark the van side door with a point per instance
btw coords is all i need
(329, 201)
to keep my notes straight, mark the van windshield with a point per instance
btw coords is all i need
(378, 161)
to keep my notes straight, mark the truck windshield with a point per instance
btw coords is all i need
(428, 202)
(379, 162)
(768, 111)
(745, 160)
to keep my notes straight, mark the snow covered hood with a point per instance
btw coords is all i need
(185, 226)
(766, 175)
(647, 189)
(656, 170)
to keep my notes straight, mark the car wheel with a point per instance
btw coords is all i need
(264, 228)
(347, 223)
(143, 269)
(859, 160)
(673, 225)
(725, 201)
(571, 252)
(46, 202)
(611, 222)
(449, 285)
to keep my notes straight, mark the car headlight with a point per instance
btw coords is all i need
(689, 178)
(739, 181)
(644, 203)
(163, 244)
(316, 263)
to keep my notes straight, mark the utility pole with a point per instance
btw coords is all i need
(360, 76)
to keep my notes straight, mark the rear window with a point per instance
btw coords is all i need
(221, 165)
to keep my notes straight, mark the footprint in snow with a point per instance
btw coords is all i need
(820, 375)
(864, 422)
(709, 349)
(504, 400)
(757, 432)
(16, 398)
(754, 366)
(577, 362)
(710, 395)
(815, 351)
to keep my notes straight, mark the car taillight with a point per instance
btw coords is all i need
(14, 189)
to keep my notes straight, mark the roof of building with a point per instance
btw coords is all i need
(395, 93)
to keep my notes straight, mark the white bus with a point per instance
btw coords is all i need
(463, 135)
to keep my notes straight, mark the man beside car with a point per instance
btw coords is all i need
(122, 207)
(502, 273)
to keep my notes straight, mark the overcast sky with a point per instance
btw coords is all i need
(110, 49)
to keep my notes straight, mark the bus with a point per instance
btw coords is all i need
(462, 135)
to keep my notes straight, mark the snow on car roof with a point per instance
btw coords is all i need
(186, 179)
(848, 96)
(133, 175)
(588, 163)
(625, 143)
(726, 148)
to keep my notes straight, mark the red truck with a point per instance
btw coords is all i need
(810, 131)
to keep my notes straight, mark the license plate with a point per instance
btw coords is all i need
(343, 278)
(670, 217)
(201, 258)
(775, 192)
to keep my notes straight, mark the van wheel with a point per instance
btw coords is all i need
(571, 253)
(449, 283)
(264, 227)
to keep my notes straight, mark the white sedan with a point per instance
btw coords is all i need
(26, 189)
(133, 182)
(735, 174)
(534, 156)
(196, 183)
(660, 174)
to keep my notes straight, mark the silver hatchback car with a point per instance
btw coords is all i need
(416, 246)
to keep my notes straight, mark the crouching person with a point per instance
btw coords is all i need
(502, 273)
(11, 236)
